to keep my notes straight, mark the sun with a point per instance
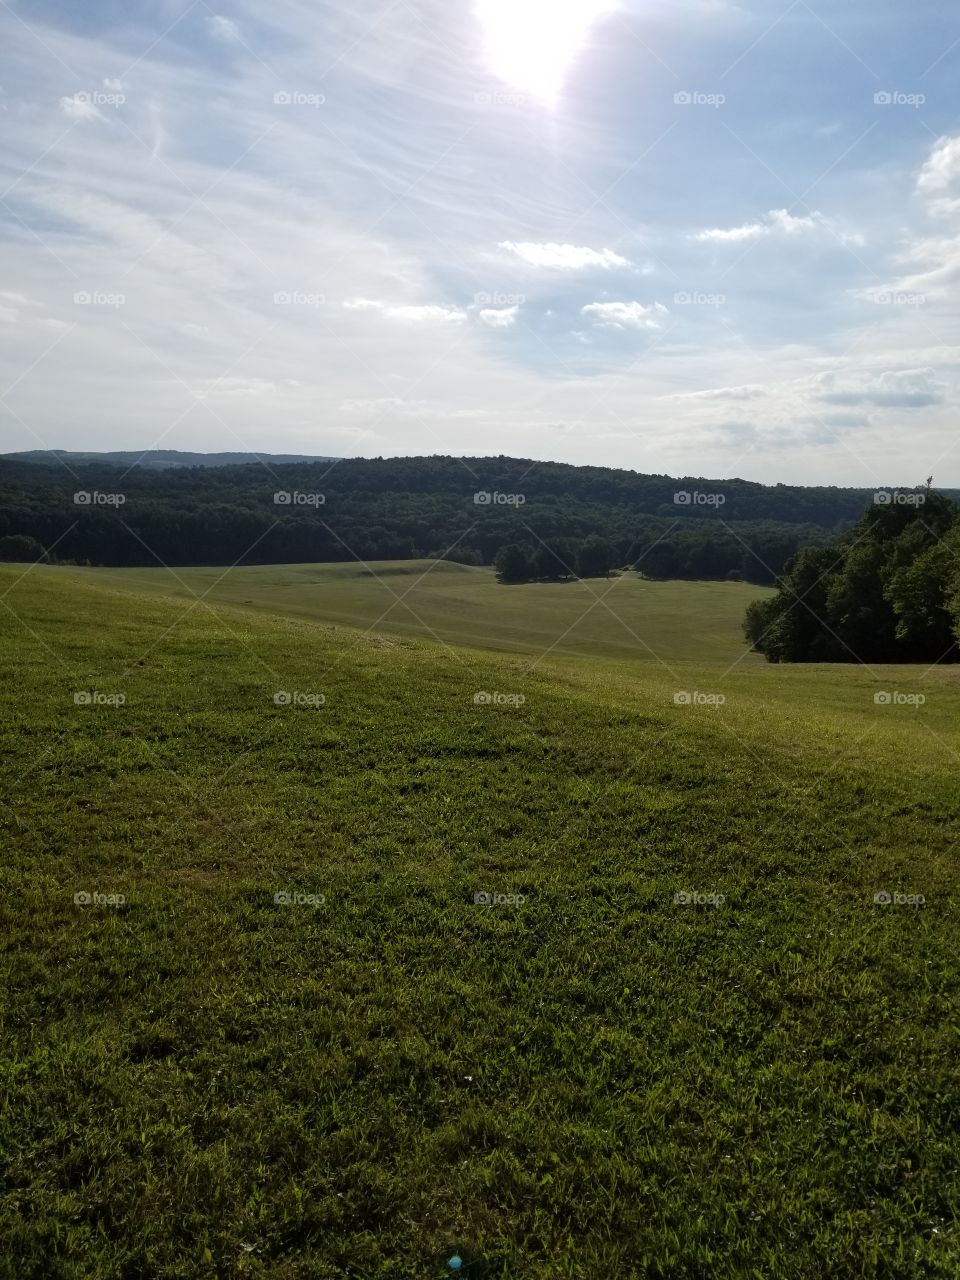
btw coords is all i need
(530, 44)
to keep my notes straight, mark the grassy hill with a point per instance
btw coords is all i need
(622, 617)
(587, 1078)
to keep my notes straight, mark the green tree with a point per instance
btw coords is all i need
(512, 564)
(18, 546)
(594, 558)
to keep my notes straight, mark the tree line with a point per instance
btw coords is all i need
(886, 591)
(463, 509)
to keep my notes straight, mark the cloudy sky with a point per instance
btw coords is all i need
(683, 236)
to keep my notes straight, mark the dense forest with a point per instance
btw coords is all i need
(887, 591)
(463, 509)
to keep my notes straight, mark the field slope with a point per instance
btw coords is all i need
(585, 1079)
(619, 617)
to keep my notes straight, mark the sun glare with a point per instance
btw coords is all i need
(530, 44)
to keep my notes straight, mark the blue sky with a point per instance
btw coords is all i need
(697, 237)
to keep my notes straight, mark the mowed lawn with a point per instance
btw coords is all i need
(459, 605)
(586, 1078)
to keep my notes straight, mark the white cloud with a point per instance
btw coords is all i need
(222, 28)
(625, 315)
(79, 107)
(564, 257)
(942, 168)
(426, 313)
(429, 312)
(749, 391)
(778, 222)
(499, 317)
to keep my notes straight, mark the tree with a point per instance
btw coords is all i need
(512, 564)
(20, 547)
(594, 558)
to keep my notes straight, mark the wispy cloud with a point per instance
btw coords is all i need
(778, 222)
(564, 257)
(222, 28)
(415, 314)
(499, 317)
(625, 315)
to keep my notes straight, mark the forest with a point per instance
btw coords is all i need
(464, 509)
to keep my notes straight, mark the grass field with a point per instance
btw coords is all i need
(616, 618)
(583, 1080)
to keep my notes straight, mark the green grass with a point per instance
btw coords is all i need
(593, 1083)
(619, 617)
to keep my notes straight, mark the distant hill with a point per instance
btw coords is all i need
(161, 459)
(362, 509)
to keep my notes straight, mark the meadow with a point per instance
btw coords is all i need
(586, 978)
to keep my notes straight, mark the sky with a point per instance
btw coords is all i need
(678, 236)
